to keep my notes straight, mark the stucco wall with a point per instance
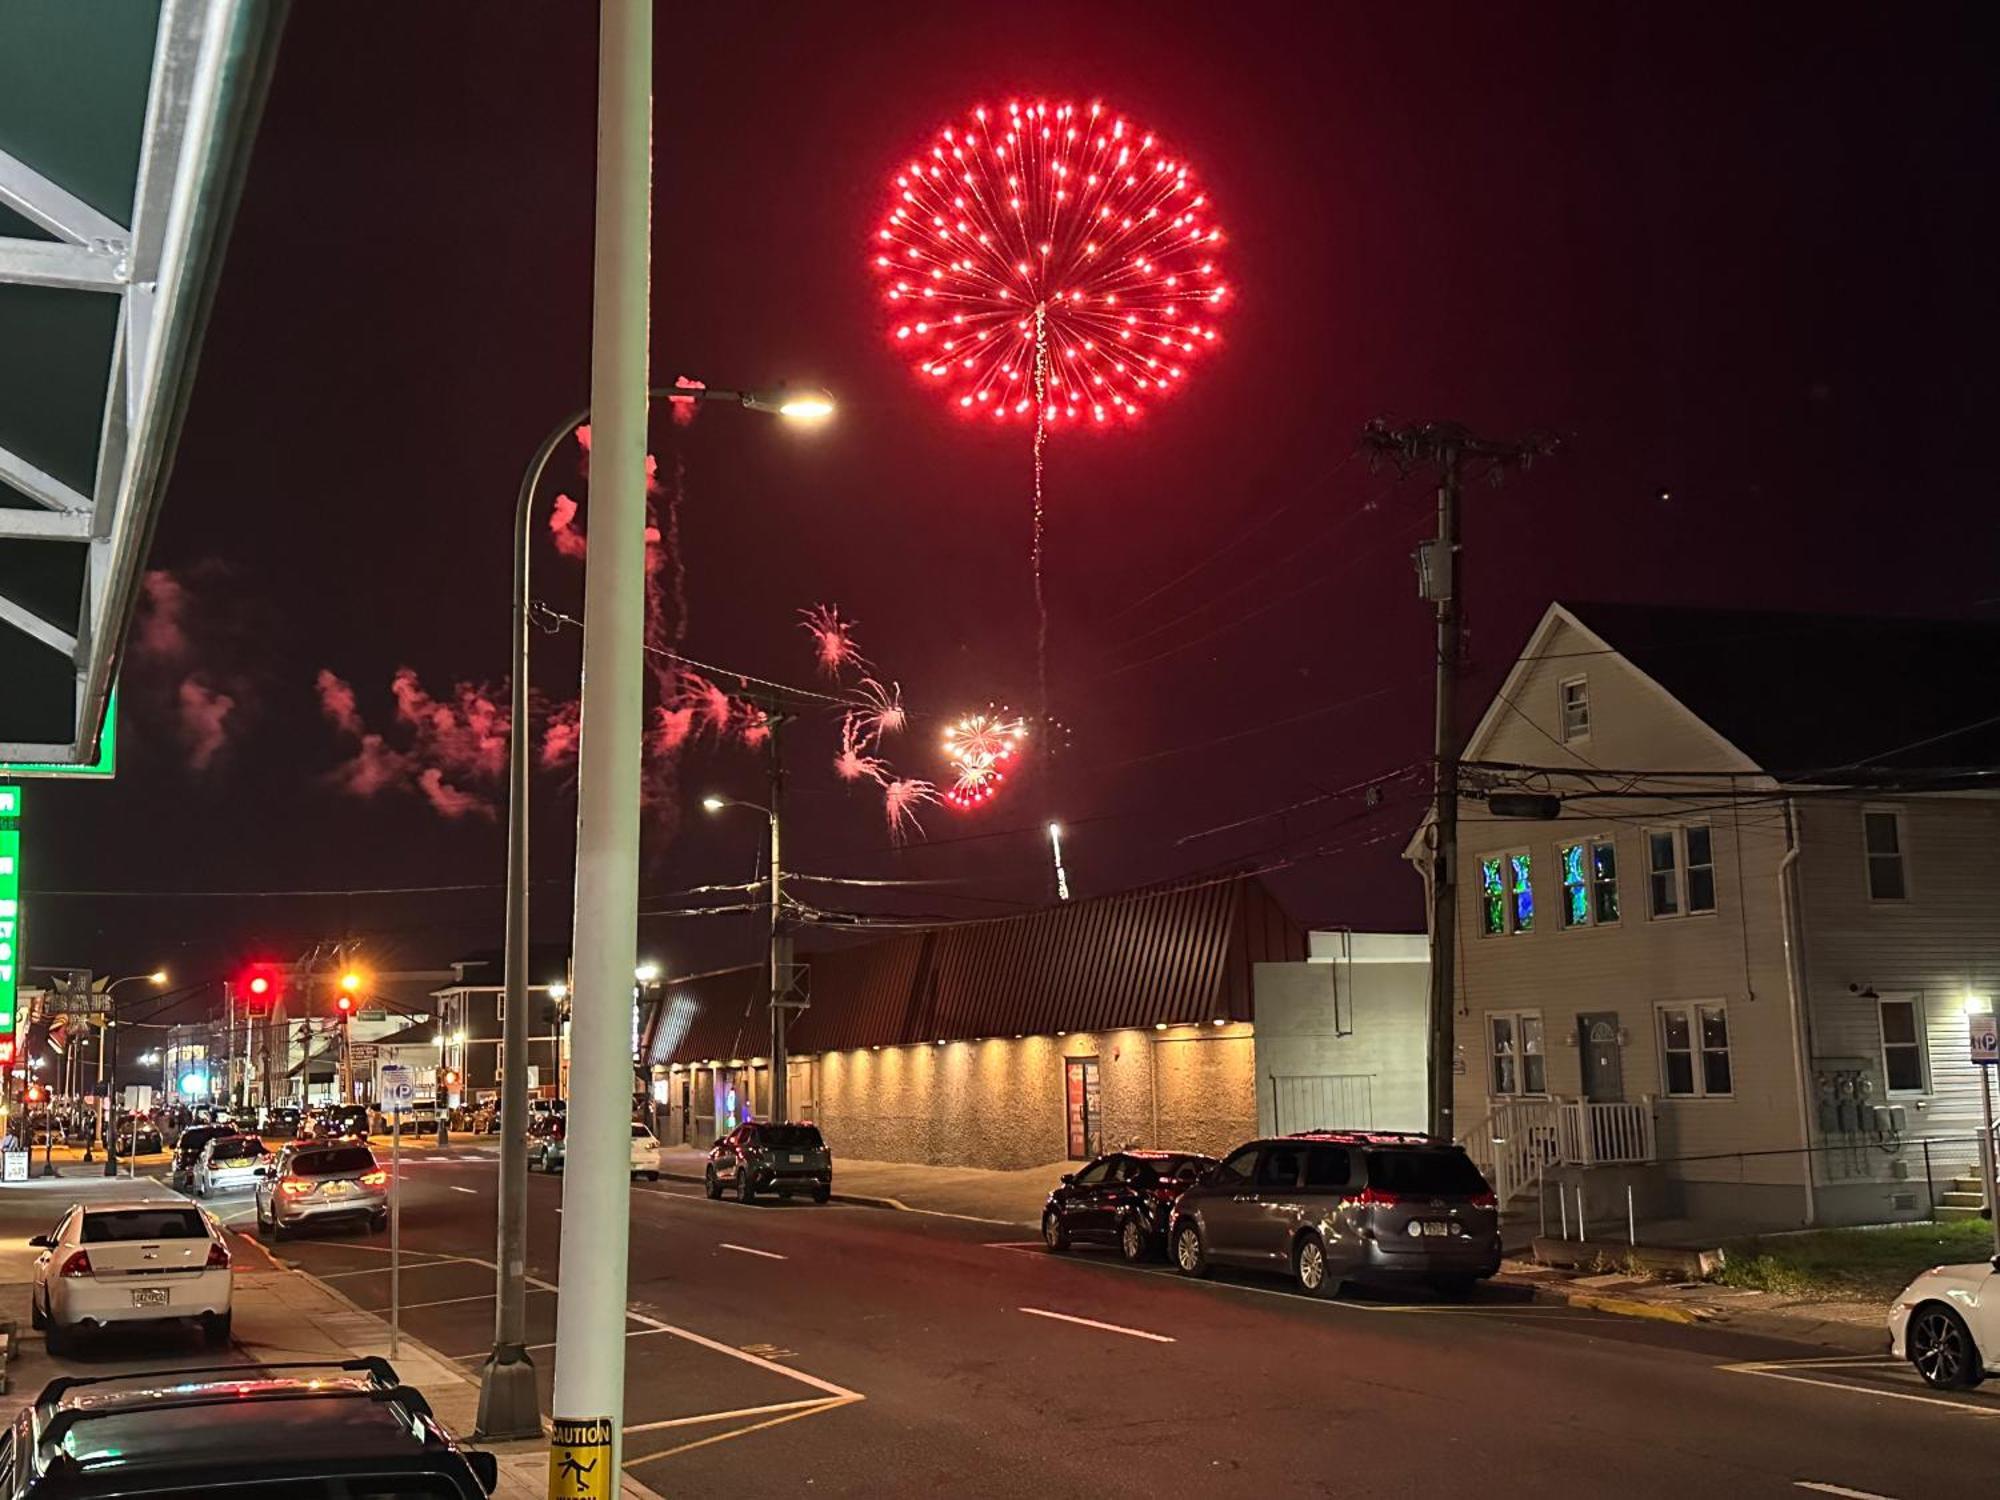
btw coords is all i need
(1000, 1103)
(1342, 1043)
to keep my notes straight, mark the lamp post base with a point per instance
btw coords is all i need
(509, 1405)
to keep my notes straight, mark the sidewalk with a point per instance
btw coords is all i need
(1011, 1199)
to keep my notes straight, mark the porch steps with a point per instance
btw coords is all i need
(1961, 1199)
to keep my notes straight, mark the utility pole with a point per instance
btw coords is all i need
(589, 1397)
(1445, 446)
(781, 935)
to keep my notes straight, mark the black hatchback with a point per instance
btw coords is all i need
(304, 1431)
(1330, 1207)
(771, 1157)
(1124, 1199)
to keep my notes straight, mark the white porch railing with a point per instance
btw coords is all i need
(1523, 1137)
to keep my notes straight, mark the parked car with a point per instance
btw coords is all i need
(316, 1181)
(421, 1118)
(548, 1151)
(303, 1429)
(281, 1122)
(187, 1151)
(1124, 1199)
(1335, 1206)
(545, 1143)
(645, 1153)
(766, 1157)
(229, 1163)
(130, 1262)
(338, 1122)
(1947, 1324)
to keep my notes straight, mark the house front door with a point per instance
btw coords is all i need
(1603, 1058)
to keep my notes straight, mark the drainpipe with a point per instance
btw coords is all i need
(1794, 983)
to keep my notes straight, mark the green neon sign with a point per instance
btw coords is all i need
(105, 766)
(10, 904)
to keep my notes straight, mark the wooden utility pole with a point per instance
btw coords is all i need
(1445, 446)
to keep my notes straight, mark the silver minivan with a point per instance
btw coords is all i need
(1328, 1207)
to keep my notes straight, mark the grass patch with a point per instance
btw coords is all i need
(1852, 1264)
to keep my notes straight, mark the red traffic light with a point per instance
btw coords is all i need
(261, 983)
(449, 1078)
(36, 1093)
(6, 1052)
(345, 1003)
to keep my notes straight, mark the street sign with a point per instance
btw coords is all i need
(396, 1087)
(10, 904)
(1985, 1038)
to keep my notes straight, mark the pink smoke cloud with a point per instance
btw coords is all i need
(336, 701)
(374, 768)
(161, 625)
(562, 527)
(204, 715)
(559, 735)
(448, 800)
(467, 736)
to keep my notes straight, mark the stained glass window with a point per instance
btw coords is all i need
(1576, 887)
(1493, 897)
(1523, 893)
(1604, 876)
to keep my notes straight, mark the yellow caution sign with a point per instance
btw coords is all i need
(580, 1459)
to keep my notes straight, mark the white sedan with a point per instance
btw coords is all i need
(131, 1262)
(1947, 1324)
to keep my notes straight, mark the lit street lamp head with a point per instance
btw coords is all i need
(807, 406)
(713, 804)
(158, 976)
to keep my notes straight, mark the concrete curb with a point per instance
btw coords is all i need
(1633, 1307)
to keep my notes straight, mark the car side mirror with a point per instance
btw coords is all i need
(261, 1172)
(485, 1468)
(41, 1242)
(1069, 1179)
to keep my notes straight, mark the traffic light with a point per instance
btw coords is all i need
(6, 1052)
(449, 1080)
(261, 984)
(36, 1093)
(344, 1003)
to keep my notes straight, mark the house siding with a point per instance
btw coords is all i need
(1942, 944)
(1743, 1152)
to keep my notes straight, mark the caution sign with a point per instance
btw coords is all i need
(580, 1459)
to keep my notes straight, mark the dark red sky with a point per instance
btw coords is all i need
(1740, 256)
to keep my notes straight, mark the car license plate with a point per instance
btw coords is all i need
(795, 1158)
(149, 1296)
(339, 1189)
(1437, 1228)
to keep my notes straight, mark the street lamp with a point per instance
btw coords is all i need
(779, 960)
(509, 1404)
(108, 1042)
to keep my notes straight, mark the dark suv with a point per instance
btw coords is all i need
(763, 1157)
(1123, 1199)
(1336, 1206)
(273, 1431)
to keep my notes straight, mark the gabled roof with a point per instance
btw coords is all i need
(1175, 954)
(1804, 693)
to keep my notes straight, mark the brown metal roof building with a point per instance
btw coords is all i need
(1032, 1018)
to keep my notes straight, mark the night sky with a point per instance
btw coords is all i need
(1740, 258)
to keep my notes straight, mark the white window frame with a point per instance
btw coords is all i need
(1915, 1000)
(1589, 843)
(1868, 857)
(1509, 926)
(1520, 1089)
(1572, 736)
(1678, 832)
(1696, 1052)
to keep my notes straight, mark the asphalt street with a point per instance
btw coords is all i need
(845, 1350)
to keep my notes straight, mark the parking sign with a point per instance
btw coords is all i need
(1985, 1037)
(396, 1086)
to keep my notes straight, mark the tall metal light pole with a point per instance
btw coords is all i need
(110, 1040)
(779, 959)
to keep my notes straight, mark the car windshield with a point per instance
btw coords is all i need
(110, 1226)
(1438, 1173)
(791, 1137)
(193, 1140)
(236, 1148)
(333, 1162)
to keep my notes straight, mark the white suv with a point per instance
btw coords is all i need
(133, 1262)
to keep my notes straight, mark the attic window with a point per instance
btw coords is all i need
(1575, 709)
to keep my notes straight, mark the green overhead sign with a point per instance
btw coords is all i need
(10, 905)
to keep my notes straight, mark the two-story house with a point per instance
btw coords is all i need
(1728, 968)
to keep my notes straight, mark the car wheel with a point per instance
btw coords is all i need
(710, 1185)
(378, 1222)
(1055, 1234)
(1454, 1288)
(1133, 1241)
(1309, 1266)
(1190, 1254)
(58, 1340)
(1941, 1348)
(744, 1192)
(652, 1177)
(821, 1194)
(215, 1330)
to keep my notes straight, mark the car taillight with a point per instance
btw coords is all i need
(1374, 1197)
(78, 1264)
(218, 1256)
(294, 1187)
(377, 1178)
(1482, 1200)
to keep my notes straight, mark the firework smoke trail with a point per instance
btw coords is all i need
(884, 713)
(833, 639)
(1041, 437)
(853, 764)
(900, 800)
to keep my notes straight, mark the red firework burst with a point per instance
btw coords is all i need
(1051, 254)
(979, 748)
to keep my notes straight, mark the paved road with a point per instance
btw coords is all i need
(836, 1350)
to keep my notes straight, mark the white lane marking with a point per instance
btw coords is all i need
(1778, 1372)
(421, 1265)
(457, 1189)
(1137, 1333)
(1837, 1489)
(741, 1411)
(746, 1250)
